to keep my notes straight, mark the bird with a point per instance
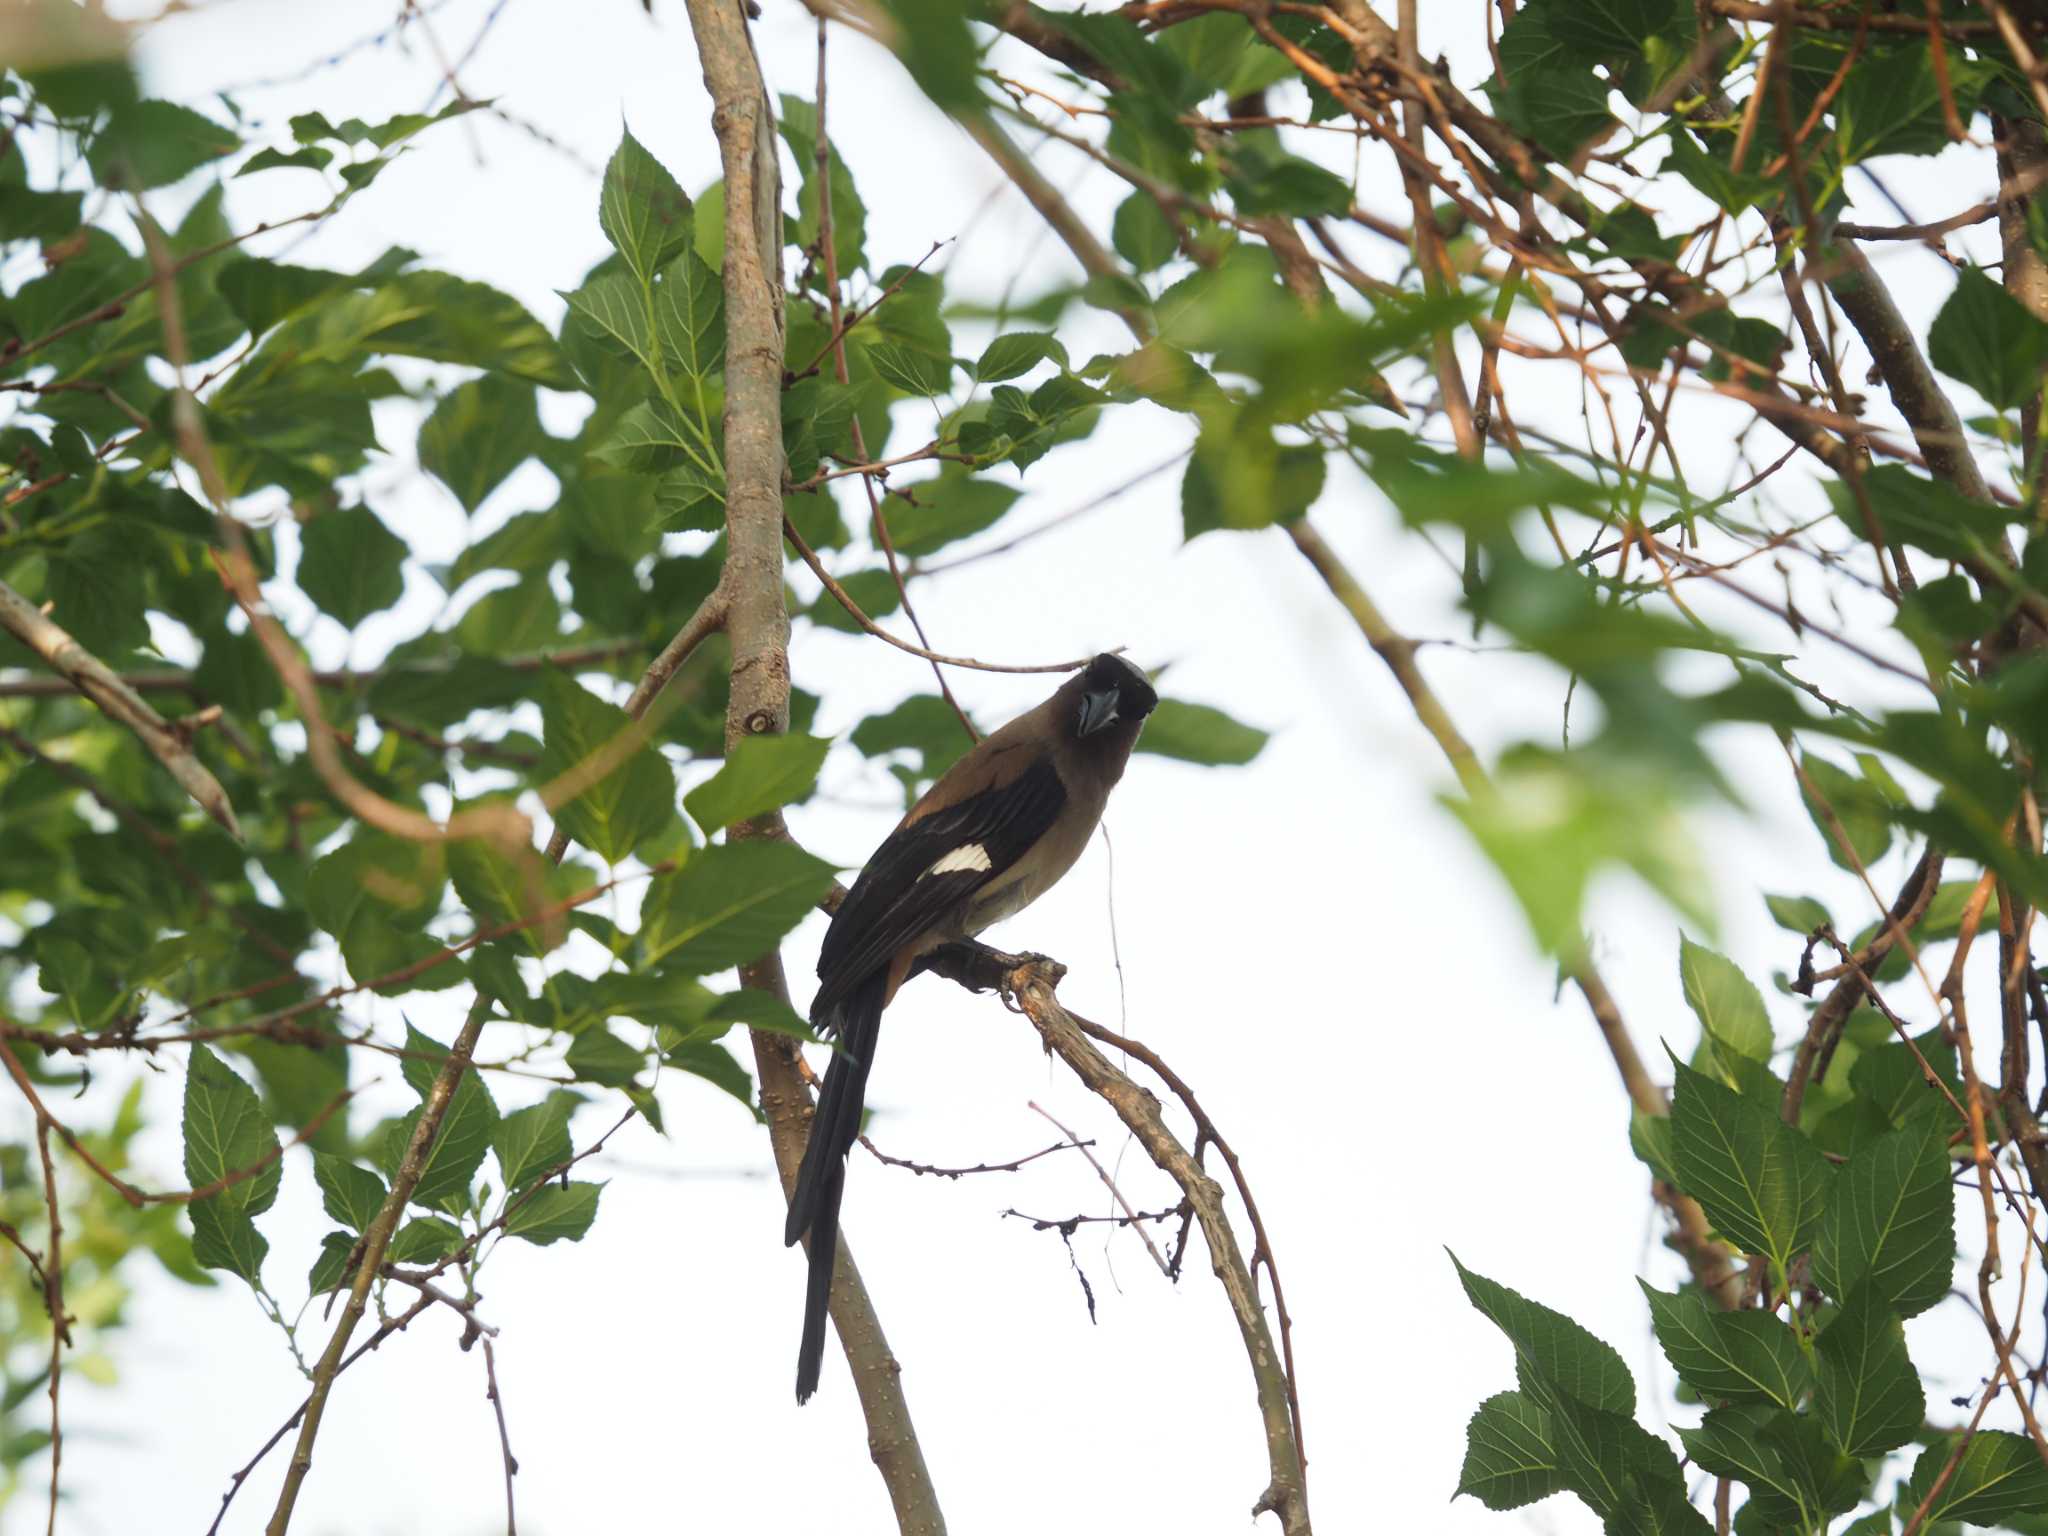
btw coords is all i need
(996, 832)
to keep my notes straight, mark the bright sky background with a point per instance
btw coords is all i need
(1313, 943)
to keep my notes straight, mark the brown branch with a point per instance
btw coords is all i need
(92, 677)
(1937, 428)
(960, 1173)
(757, 624)
(1032, 983)
(1110, 1184)
(376, 1238)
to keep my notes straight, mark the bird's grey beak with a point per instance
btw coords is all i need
(1097, 711)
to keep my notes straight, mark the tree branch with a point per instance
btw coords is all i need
(98, 682)
(757, 624)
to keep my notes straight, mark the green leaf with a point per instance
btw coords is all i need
(633, 795)
(2000, 1475)
(554, 1213)
(1869, 1399)
(532, 1142)
(1892, 102)
(729, 905)
(1605, 28)
(1890, 1220)
(1013, 356)
(351, 1195)
(648, 439)
(1797, 914)
(97, 594)
(924, 724)
(913, 372)
(331, 1268)
(798, 121)
(1865, 815)
(261, 293)
(1988, 339)
(423, 1240)
(1734, 1356)
(350, 564)
(1727, 1003)
(1509, 1458)
(760, 774)
(1262, 180)
(1142, 234)
(149, 144)
(641, 209)
(1781, 1458)
(1196, 733)
(1892, 1080)
(306, 158)
(948, 508)
(1761, 1183)
(226, 1134)
(1580, 1366)
(716, 1065)
(599, 1056)
(466, 1126)
(479, 433)
(689, 310)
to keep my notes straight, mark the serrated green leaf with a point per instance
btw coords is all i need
(641, 209)
(423, 1240)
(1869, 1398)
(912, 371)
(760, 774)
(1761, 1183)
(1988, 339)
(466, 1126)
(331, 1268)
(729, 905)
(226, 1135)
(532, 1142)
(648, 439)
(555, 1213)
(689, 308)
(1549, 1344)
(1890, 1220)
(1726, 1002)
(1509, 1460)
(1999, 1475)
(351, 1195)
(1734, 1356)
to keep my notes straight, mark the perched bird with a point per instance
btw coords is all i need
(989, 838)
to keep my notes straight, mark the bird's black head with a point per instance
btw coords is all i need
(1112, 692)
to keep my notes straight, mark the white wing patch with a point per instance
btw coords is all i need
(970, 858)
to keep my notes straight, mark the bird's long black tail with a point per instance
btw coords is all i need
(821, 1179)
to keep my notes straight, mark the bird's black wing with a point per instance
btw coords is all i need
(899, 897)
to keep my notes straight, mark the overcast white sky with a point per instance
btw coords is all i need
(1312, 942)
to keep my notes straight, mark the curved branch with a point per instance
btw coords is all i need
(120, 703)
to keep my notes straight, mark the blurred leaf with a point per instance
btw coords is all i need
(350, 564)
(1989, 340)
(479, 433)
(1726, 1002)
(1196, 733)
(607, 792)
(151, 143)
